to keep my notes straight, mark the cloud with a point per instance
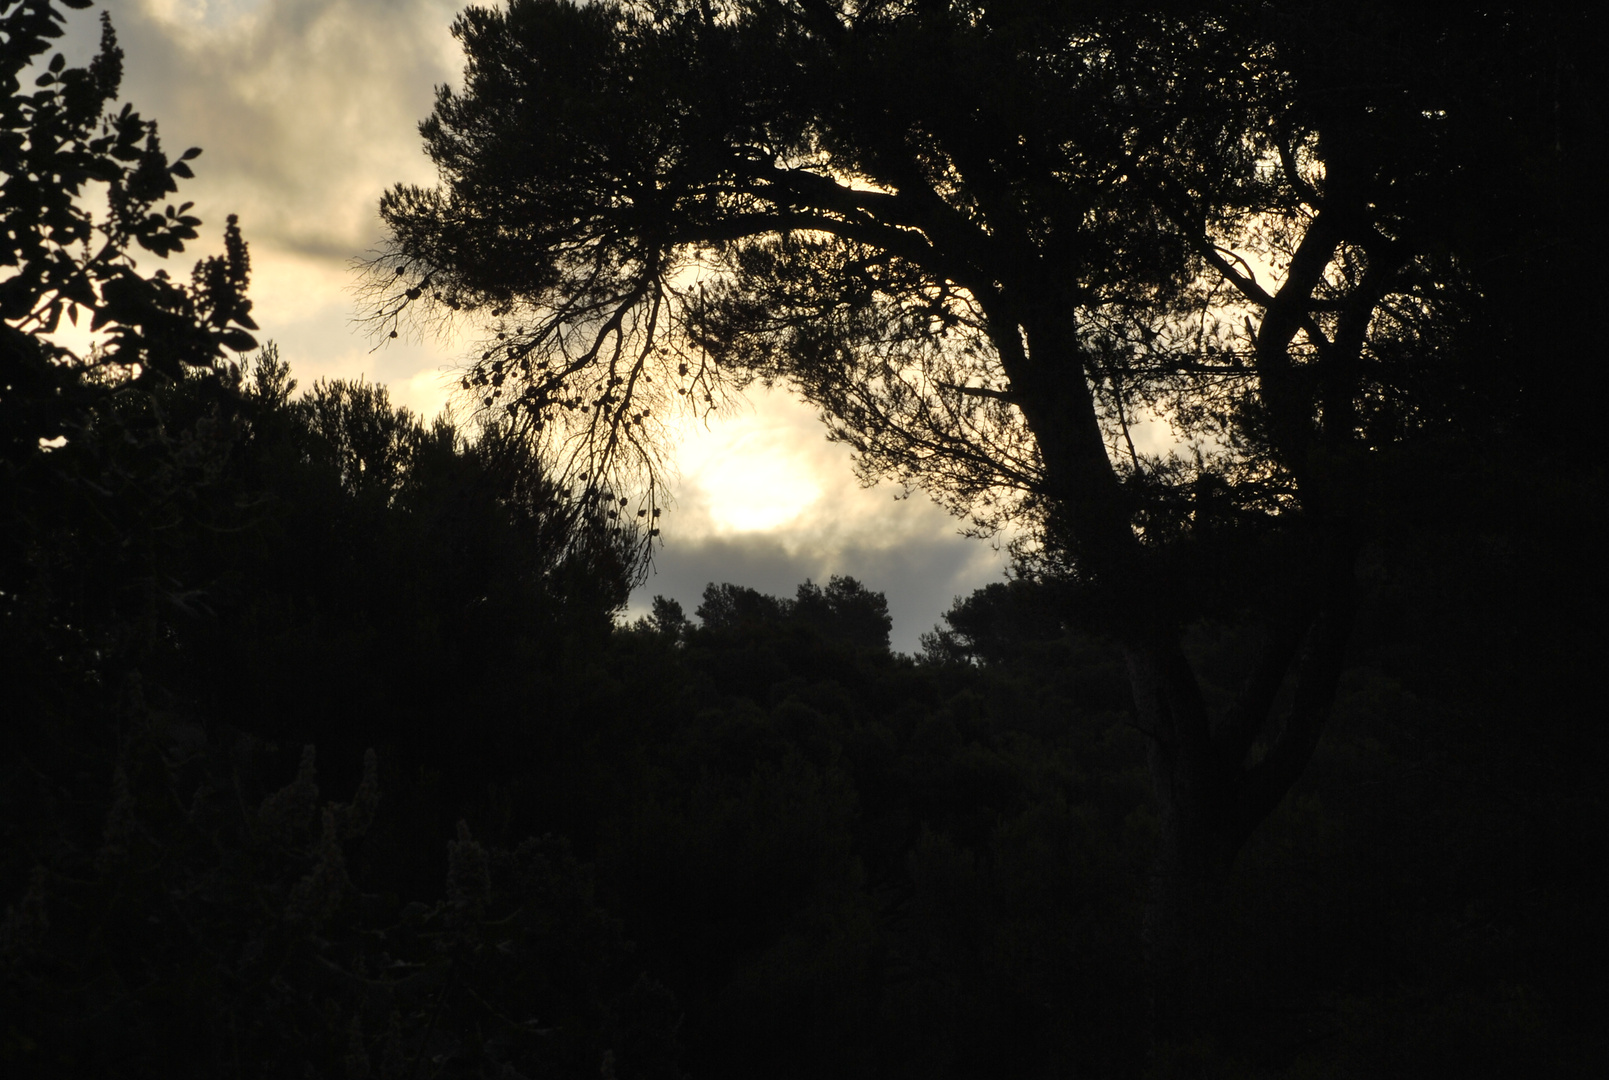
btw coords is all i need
(733, 522)
(921, 577)
(306, 109)
(768, 467)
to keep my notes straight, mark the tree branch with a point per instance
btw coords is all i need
(1250, 713)
(1318, 674)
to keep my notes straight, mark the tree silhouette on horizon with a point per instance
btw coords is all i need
(985, 239)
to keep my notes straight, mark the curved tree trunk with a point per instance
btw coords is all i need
(1214, 778)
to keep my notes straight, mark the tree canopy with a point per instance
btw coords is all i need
(986, 240)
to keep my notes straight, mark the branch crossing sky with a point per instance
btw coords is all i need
(307, 110)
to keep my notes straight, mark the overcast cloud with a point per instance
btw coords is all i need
(307, 110)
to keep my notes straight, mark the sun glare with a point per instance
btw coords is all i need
(750, 473)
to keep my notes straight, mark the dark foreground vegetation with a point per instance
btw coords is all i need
(753, 842)
(326, 755)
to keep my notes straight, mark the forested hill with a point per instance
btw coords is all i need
(327, 754)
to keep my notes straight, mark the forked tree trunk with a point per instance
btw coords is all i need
(1209, 800)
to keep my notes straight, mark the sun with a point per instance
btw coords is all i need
(757, 472)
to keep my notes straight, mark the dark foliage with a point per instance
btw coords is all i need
(192, 555)
(754, 842)
(850, 863)
(844, 611)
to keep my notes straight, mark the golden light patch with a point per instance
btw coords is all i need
(751, 473)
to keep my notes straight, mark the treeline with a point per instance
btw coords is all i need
(750, 829)
(327, 752)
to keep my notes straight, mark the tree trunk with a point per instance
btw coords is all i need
(1182, 935)
(1196, 845)
(1209, 799)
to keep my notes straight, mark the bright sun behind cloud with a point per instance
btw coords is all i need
(750, 472)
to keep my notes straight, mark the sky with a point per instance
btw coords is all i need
(306, 111)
